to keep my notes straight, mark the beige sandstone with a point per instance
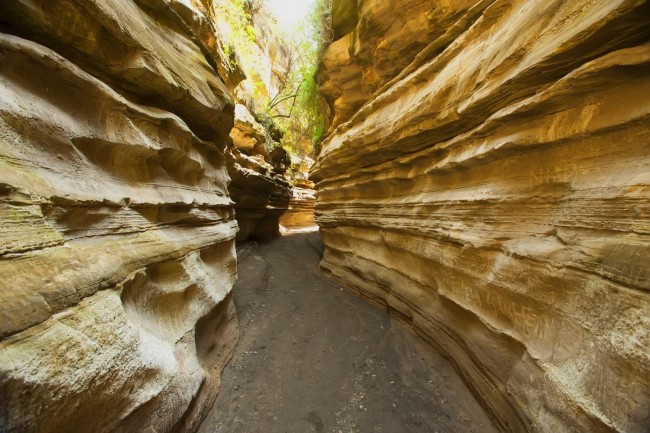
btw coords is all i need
(247, 135)
(117, 231)
(258, 186)
(374, 41)
(485, 179)
(256, 163)
(492, 191)
(300, 213)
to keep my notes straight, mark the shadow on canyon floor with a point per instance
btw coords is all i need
(314, 358)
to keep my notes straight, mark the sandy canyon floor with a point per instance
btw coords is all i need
(314, 358)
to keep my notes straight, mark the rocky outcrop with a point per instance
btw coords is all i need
(256, 162)
(272, 54)
(374, 41)
(116, 230)
(247, 135)
(259, 188)
(493, 193)
(300, 213)
(264, 57)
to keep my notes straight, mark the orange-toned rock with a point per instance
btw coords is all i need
(301, 208)
(493, 193)
(375, 41)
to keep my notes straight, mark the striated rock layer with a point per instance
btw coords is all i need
(494, 194)
(116, 229)
(259, 188)
(301, 207)
(257, 164)
(377, 40)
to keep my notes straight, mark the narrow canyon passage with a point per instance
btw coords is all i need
(478, 168)
(314, 358)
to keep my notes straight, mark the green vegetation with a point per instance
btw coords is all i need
(297, 108)
(294, 111)
(243, 35)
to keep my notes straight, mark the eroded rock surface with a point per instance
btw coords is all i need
(377, 40)
(301, 207)
(259, 188)
(257, 164)
(116, 230)
(490, 187)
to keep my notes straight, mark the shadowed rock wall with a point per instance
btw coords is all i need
(256, 162)
(258, 187)
(116, 228)
(490, 187)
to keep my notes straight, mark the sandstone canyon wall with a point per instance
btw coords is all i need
(116, 230)
(256, 162)
(486, 180)
(259, 187)
(300, 213)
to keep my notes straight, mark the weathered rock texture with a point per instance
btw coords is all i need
(492, 190)
(377, 40)
(259, 188)
(301, 207)
(116, 229)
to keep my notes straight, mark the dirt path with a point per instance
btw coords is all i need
(314, 358)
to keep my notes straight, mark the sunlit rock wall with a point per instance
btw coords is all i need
(494, 194)
(259, 188)
(116, 227)
(256, 162)
(301, 207)
(374, 41)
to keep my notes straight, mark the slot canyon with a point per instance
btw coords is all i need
(458, 240)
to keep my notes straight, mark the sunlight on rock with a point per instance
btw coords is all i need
(476, 169)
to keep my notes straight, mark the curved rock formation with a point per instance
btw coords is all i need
(377, 40)
(301, 207)
(490, 187)
(116, 231)
(258, 187)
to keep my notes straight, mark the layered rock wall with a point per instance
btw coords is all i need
(492, 191)
(375, 41)
(256, 162)
(116, 230)
(301, 207)
(259, 188)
